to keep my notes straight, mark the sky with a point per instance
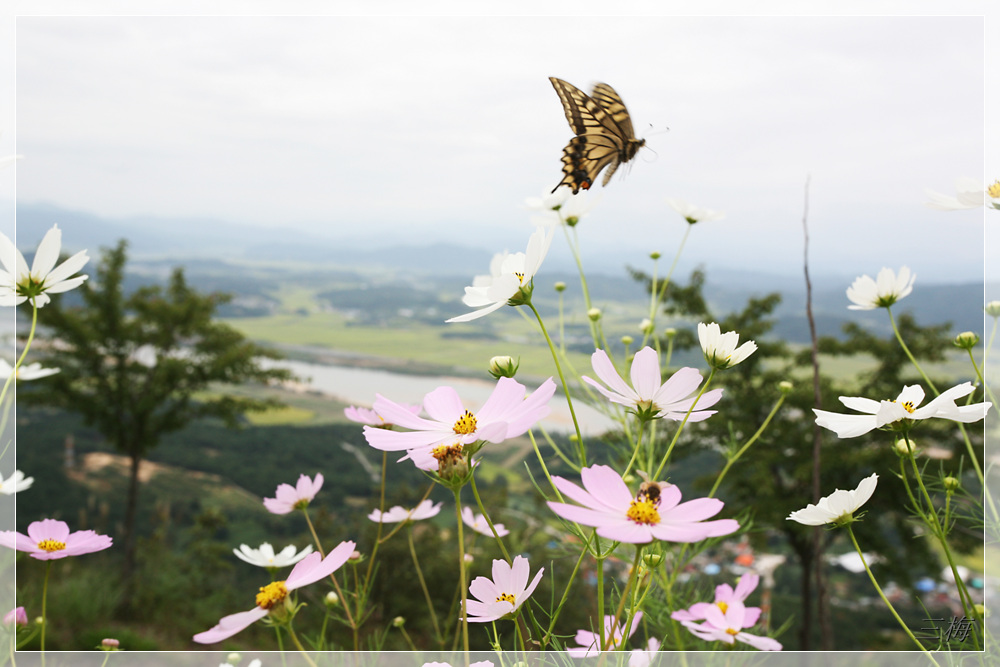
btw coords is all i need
(424, 128)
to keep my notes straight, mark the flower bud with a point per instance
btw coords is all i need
(670, 332)
(785, 387)
(951, 484)
(904, 446)
(654, 255)
(234, 658)
(629, 479)
(331, 599)
(594, 314)
(109, 645)
(993, 309)
(561, 287)
(17, 616)
(627, 340)
(982, 610)
(398, 622)
(966, 340)
(646, 326)
(503, 367)
(652, 560)
(354, 557)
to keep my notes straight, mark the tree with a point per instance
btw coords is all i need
(143, 365)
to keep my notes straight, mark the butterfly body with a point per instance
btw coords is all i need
(604, 136)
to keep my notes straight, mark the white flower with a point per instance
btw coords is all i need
(478, 523)
(885, 290)
(721, 349)
(264, 556)
(14, 483)
(510, 277)
(561, 207)
(424, 510)
(971, 194)
(838, 507)
(26, 372)
(18, 284)
(694, 214)
(504, 594)
(904, 408)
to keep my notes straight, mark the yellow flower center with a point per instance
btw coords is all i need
(520, 276)
(271, 594)
(994, 190)
(723, 606)
(51, 545)
(643, 511)
(466, 424)
(505, 597)
(732, 631)
(908, 406)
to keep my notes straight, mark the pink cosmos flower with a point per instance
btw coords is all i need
(507, 413)
(728, 625)
(477, 522)
(307, 571)
(644, 657)
(371, 418)
(17, 616)
(610, 507)
(288, 498)
(588, 641)
(424, 510)
(505, 594)
(724, 596)
(49, 539)
(650, 398)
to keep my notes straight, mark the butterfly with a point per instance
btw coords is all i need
(604, 136)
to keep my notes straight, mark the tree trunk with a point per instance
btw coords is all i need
(131, 504)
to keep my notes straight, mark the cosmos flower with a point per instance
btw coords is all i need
(18, 284)
(504, 594)
(721, 349)
(588, 641)
(424, 510)
(561, 207)
(644, 657)
(902, 411)
(838, 507)
(307, 571)
(17, 616)
(509, 280)
(477, 522)
(264, 555)
(288, 497)
(724, 596)
(371, 418)
(50, 539)
(15, 483)
(647, 396)
(694, 214)
(970, 194)
(727, 626)
(609, 506)
(26, 372)
(885, 290)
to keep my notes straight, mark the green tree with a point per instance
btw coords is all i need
(142, 365)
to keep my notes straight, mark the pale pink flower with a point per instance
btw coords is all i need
(288, 497)
(307, 571)
(369, 417)
(727, 626)
(507, 413)
(504, 594)
(17, 616)
(50, 539)
(724, 596)
(424, 510)
(648, 396)
(609, 506)
(588, 642)
(644, 657)
(477, 522)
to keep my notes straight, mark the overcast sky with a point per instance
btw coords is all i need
(437, 128)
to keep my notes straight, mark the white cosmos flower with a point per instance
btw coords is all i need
(27, 371)
(561, 207)
(970, 194)
(510, 275)
(694, 214)
(15, 483)
(904, 408)
(838, 507)
(18, 284)
(424, 510)
(264, 556)
(721, 349)
(885, 290)
(477, 522)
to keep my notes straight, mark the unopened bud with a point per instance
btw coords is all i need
(398, 622)
(109, 644)
(234, 658)
(904, 446)
(594, 314)
(785, 387)
(627, 340)
(966, 340)
(560, 286)
(646, 326)
(982, 610)
(951, 484)
(670, 332)
(467, 558)
(331, 599)
(993, 309)
(503, 367)
(654, 255)
(354, 557)
(652, 560)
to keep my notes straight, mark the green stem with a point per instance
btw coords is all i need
(680, 428)
(24, 353)
(45, 618)
(333, 578)
(878, 588)
(298, 645)
(461, 575)
(744, 448)
(489, 522)
(658, 298)
(423, 585)
(632, 587)
(565, 386)
(909, 355)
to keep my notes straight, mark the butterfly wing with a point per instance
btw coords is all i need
(603, 131)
